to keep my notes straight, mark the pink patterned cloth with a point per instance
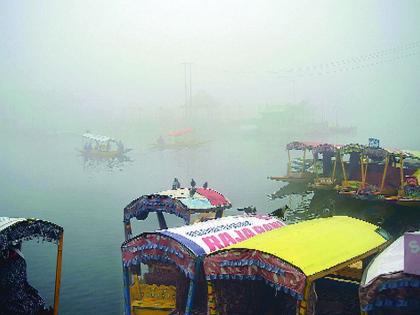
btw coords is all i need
(253, 264)
(215, 198)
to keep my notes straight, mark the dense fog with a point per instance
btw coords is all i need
(240, 78)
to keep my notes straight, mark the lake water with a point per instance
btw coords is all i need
(42, 175)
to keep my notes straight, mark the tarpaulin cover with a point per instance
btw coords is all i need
(16, 230)
(385, 273)
(183, 245)
(181, 202)
(308, 247)
(390, 260)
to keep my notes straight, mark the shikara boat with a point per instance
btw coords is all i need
(102, 147)
(409, 190)
(284, 270)
(353, 169)
(186, 203)
(13, 231)
(385, 288)
(387, 175)
(178, 140)
(169, 277)
(326, 158)
(298, 169)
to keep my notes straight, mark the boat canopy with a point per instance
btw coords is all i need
(326, 148)
(375, 153)
(97, 138)
(181, 132)
(181, 202)
(302, 145)
(352, 147)
(386, 272)
(15, 230)
(290, 258)
(183, 245)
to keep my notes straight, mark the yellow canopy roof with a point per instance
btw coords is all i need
(319, 244)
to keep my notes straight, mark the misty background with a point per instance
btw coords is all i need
(263, 73)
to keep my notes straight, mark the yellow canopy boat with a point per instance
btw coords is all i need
(289, 261)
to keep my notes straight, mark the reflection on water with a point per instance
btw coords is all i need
(304, 205)
(105, 164)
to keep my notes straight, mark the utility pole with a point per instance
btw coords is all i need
(188, 86)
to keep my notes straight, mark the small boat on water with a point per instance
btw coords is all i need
(352, 167)
(381, 175)
(386, 287)
(311, 267)
(178, 140)
(99, 147)
(20, 297)
(300, 169)
(169, 277)
(368, 173)
(409, 190)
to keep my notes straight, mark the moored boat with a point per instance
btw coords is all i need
(386, 287)
(299, 170)
(16, 295)
(283, 271)
(326, 159)
(169, 277)
(178, 140)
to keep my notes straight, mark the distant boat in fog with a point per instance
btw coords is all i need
(98, 149)
(102, 147)
(178, 140)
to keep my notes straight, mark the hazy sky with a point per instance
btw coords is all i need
(244, 52)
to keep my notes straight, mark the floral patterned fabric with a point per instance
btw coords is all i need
(352, 147)
(27, 230)
(326, 148)
(141, 207)
(298, 145)
(17, 297)
(204, 200)
(395, 290)
(156, 247)
(242, 264)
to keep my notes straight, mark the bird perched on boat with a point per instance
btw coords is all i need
(193, 183)
(248, 210)
(205, 185)
(176, 184)
(192, 191)
(280, 212)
